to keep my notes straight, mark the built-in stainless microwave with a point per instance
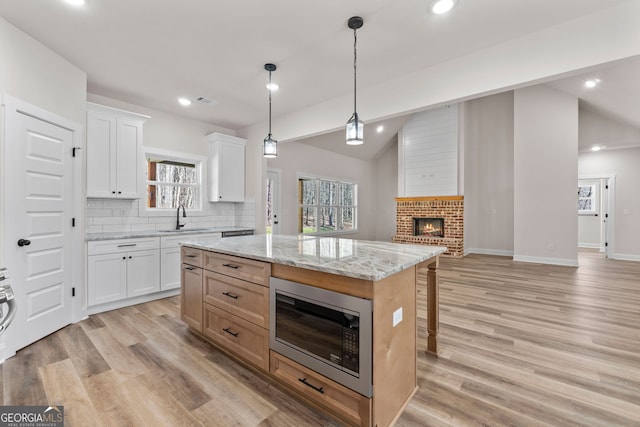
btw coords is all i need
(325, 331)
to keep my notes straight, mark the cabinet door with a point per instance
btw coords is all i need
(128, 143)
(101, 155)
(107, 278)
(232, 173)
(143, 272)
(170, 268)
(191, 296)
(226, 168)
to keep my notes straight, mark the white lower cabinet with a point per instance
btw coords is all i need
(119, 269)
(170, 257)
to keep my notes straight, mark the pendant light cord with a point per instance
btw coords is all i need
(355, 56)
(270, 89)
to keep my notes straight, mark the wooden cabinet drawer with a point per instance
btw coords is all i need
(345, 403)
(241, 268)
(191, 256)
(239, 297)
(249, 341)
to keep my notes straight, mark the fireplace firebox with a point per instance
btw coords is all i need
(431, 227)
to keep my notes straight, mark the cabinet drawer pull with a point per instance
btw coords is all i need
(127, 245)
(228, 330)
(231, 266)
(190, 268)
(191, 256)
(230, 295)
(304, 381)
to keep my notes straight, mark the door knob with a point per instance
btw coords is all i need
(24, 242)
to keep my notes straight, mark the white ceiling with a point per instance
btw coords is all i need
(150, 52)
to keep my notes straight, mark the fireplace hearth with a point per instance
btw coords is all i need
(415, 222)
(432, 227)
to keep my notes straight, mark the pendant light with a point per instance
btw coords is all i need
(270, 145)
(355, 126)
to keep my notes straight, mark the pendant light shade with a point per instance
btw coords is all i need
(355, 126)
(270, 145)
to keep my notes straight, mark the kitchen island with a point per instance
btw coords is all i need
(226, 299)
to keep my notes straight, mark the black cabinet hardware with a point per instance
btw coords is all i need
(230, 295)
(24, 242)
(304, 381)
(230, 332)
(129, 244)
(231, 266)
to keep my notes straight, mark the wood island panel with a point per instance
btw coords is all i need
(332, 282)
(191, 296)
(394, 348)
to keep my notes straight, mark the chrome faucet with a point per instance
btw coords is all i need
(184, 215)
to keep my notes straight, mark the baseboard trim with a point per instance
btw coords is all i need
(626, 257)
(544, 260)
(590, 245)
(480, 251)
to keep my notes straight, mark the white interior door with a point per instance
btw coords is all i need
(38, 206)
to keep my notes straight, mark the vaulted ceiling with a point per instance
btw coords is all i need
(150, 52)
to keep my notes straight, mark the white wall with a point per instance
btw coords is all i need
(297, 158)
(386, 190)
(596, 129)
(429, 144)
(626, 213)
(488, 198)
(545, 176)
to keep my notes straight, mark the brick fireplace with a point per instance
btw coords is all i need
(428, 210)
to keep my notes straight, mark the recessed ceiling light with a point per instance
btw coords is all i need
(440, 7)
(596, 148)
(185, 102)
(272, 86)
(379, 128)
(76, 2)
(591, 83)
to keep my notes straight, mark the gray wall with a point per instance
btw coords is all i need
(488, 151)
(545, 176)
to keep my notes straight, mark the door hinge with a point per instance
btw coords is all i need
(606, 215)
(73, 291)
(606, 243)
(73, 151)
(606, 187)
(73, 222)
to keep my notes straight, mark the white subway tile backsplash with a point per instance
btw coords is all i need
(123, 216)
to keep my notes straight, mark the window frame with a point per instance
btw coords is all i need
(180, 157)
(318, 205)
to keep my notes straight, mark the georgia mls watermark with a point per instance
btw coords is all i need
(31, 416)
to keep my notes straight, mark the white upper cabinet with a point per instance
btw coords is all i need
(226, 168)
(114, 153)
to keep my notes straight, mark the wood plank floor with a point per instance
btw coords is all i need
(520, 344)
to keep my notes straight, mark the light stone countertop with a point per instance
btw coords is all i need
(361, 259)
(159, 233)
